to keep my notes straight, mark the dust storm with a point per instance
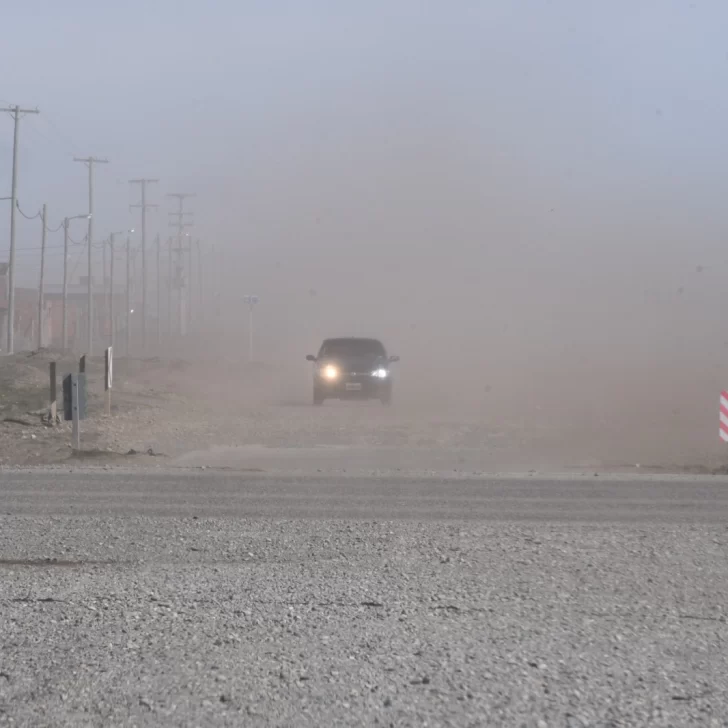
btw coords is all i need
(513, 298)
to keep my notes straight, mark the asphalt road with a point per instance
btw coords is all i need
(219, 598)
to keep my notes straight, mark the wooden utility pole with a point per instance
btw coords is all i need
(180, 224)
(89, 162)
(64, 314)
(44, 220)
(190, 285)
(144, 206)
(128, 298)
(64, 324)
(200, 298)
(169, 293)
(112, 253)
(16, 112)
(159, 292)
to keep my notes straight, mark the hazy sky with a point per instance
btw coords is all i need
(461, 151)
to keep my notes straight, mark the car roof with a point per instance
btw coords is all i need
(351, 339)
(354, 343)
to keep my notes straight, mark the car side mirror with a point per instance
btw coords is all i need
(393, 359)
(310, 357)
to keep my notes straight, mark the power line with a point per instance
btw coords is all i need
(55, 230)
(54, 250)
(49, 247)
(38, 133)
(27, 217)
(65, 139)
(36, 249)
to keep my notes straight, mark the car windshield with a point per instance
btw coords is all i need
(351, 348)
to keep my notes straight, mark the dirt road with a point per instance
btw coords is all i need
(220, 414)
(279, 564)
(211, 598)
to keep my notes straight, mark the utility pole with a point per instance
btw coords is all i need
(216, 271)
(252, 302)
(44, 220)
(64, 314)
(112, 253)
(66, 222)
(190, 286)
(89, 162)
(169, 292)
(112, 249)
(104, 292)
(159, 292)
(15, 111)
(105, 283)
(180, 224)
(143, 182)
(128, 297)
(200, 299)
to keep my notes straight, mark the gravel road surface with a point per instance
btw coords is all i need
(216, 598)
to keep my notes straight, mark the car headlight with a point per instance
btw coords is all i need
(330, 372)
(380, 373)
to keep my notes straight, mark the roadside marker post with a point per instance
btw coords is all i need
(109, 362)
(75, 415)
(723, 429)
(82, 365)
(54, 394)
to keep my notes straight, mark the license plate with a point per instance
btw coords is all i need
(353, 386)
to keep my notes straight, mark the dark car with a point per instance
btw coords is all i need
(352, 368)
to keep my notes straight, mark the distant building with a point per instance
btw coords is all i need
(26, 313)
(76, 302)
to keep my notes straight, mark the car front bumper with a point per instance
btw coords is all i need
(354, 387)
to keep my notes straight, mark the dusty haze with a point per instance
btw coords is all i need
(525, 201)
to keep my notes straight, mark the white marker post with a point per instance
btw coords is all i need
(109, 361)
(53, 416)
(252, 301)
(723, 428)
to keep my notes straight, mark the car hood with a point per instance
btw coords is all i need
(358, 364)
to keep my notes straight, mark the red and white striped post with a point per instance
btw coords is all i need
(724, 416)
